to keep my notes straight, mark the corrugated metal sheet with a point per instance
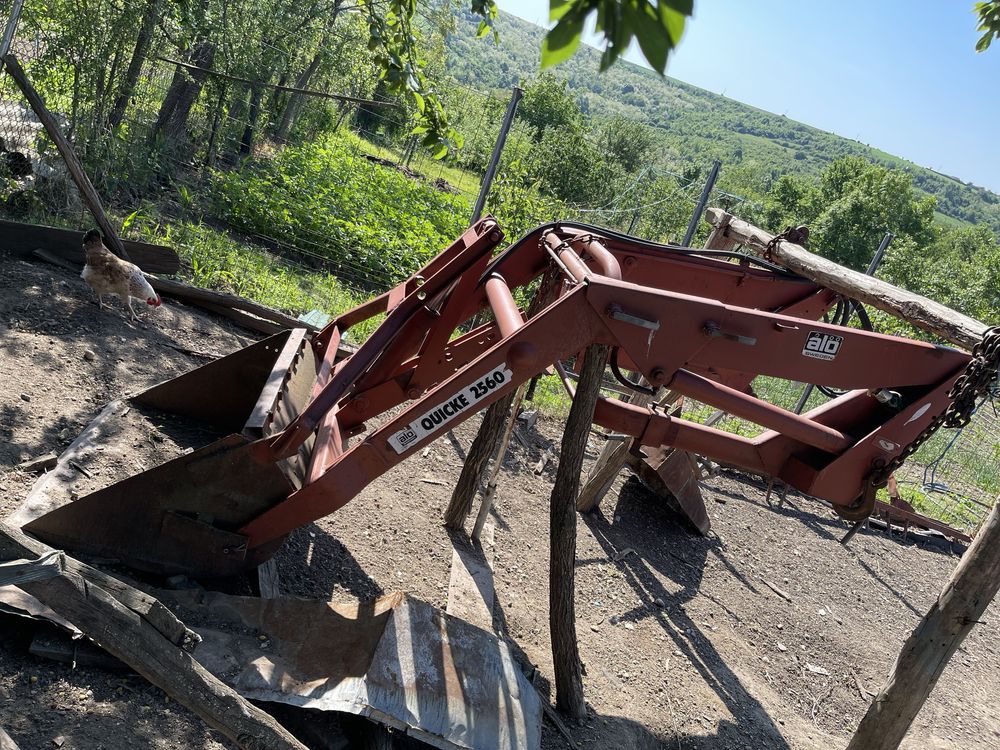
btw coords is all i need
(398, 661)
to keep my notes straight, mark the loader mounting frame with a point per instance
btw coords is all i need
(701, 323)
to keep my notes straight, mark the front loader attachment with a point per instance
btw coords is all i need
(280, 434)
(183, 515)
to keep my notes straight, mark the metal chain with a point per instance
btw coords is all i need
(974, 383)
(795, 235)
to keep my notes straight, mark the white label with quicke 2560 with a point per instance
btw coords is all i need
(447, 410)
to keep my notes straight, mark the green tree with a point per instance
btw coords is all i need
(627, 141)
(547, 104)
(862, 201)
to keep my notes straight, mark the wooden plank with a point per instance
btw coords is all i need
(146, 606)
(41, 463)
(76, 170)
(268, 580)
(133, 640)
(52, 489)
(915, 309)
(470, 587)
(24, 239)
(16, 572)
(609, 463)
(925, 654)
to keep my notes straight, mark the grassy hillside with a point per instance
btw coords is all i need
(696, 125)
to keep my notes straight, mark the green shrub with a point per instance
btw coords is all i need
(375, 224)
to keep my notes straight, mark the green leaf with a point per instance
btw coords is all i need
(673, 22)
(561, 42)
(984, 42)
(559, 8)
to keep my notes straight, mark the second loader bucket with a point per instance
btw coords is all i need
(182, 514)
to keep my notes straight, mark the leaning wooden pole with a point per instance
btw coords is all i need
(915, 309)
(926, 652)
(133, 639)
(483, 446)
(562, 535)
(73, 163)
(491, 430)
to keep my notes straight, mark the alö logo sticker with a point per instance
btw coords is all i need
(447, 410)
(821, 345)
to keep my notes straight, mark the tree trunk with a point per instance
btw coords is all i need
(246, 142)
(562, 531)
(171, 121)
(961, 604)
(139, 53)
(211, 150)
(296, 100)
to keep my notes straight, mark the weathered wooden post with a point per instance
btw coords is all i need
(915, 309)
(925, 654)
(483, 446)
(490, 432)
(562, 535)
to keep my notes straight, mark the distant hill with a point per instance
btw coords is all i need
(696, 125)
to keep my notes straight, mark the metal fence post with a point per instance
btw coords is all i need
(491, 170)
(702, 202)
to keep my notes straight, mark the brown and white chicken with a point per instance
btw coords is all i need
(106, 273)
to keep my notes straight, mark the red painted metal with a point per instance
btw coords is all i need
(666, 332)
(702, 324)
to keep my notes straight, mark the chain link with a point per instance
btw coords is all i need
(974, 383)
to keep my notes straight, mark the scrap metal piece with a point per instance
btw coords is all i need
(397, 660)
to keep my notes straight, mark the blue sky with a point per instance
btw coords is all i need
(901, 76)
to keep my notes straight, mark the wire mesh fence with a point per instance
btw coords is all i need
(258, 140)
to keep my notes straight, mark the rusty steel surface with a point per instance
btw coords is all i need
(397, 660)
(702, 322)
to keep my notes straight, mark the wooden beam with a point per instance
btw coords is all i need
(24, 239)
(247, 313)
(562, 534)
(76, 170)
(915, 309)
(471, 590)
(926, 653)
(134, 640)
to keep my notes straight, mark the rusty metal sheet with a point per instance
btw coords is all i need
(675, 472)
(397, 660)
(13, 601)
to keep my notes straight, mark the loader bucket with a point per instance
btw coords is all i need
(181, 515)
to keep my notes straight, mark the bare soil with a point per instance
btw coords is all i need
(685, 643)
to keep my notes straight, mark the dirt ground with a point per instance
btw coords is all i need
(684, 643)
